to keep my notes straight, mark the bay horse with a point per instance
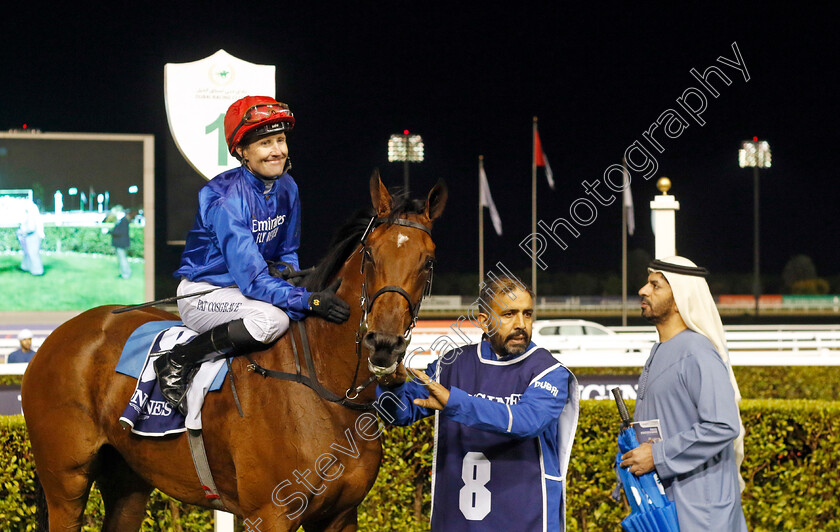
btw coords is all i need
(272, 463)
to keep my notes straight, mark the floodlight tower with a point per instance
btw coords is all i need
(756, 154)
(406, 148)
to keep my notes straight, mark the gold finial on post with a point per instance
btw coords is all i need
(664, 185)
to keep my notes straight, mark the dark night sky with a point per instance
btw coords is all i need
(469, 82)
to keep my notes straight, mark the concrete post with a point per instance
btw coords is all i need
(663, 209)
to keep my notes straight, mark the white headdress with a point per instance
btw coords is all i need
(697, 309)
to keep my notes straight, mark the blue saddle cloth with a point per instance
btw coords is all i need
(148, 413)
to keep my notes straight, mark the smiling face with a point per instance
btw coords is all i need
(266, 157)
(657, 299)
(512, 318)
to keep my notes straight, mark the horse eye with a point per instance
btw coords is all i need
(430, 263)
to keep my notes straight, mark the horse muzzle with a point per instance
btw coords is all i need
(385, 351)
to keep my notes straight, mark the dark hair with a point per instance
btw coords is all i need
(494, 285)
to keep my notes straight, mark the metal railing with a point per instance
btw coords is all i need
(727, 304)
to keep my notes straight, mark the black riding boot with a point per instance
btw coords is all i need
(176, 367)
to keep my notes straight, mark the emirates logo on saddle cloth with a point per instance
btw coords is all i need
(198, 94)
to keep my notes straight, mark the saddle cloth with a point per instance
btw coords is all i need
(148, 413)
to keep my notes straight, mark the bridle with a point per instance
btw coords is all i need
(367, 301)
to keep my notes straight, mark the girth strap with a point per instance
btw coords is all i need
(233, 388)
(310, 380)
(202, 467)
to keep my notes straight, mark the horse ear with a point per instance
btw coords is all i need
(379, 196)
(437, 200)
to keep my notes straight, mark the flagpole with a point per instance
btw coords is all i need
(624, 253)
(534, 208)
(480, 225)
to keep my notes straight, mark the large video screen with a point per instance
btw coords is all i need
(76, 220)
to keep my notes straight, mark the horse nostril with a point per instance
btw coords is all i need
(370, 340)
(383, 343)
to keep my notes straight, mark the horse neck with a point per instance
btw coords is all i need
(333, 345)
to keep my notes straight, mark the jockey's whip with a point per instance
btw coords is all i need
(167, 300)
(286, 276)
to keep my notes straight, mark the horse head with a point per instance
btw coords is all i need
(397, 265)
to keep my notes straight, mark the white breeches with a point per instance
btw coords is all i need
(264, 321)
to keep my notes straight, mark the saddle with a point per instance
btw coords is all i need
(148, 413)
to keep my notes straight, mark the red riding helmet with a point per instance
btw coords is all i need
(258, 116)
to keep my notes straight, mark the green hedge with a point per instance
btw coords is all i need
(765, 382)
(790, 469)
(18, 494)
(77, 239)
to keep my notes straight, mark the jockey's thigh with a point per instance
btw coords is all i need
(264, 321)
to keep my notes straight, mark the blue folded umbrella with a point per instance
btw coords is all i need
(650, 508)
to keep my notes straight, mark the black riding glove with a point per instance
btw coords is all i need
(328, 305)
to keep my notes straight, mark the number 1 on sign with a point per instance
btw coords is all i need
(474, 498)
(219, 124)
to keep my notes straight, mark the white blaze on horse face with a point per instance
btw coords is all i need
(401, 239)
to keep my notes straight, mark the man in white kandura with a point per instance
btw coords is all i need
(688, 385)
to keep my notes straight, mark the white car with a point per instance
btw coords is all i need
(583, 343)
(554, 328)
(584, 337)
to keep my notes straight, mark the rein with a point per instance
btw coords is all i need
(310, 380)
(366, 303)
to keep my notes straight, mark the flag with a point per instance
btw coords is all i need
(628, 204)
(541, 159)
(486, 200)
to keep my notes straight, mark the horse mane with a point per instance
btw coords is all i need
(348, 236)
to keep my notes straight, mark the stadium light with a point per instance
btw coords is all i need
(405, 148)
(755, 154)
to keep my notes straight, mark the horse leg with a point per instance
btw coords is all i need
(66, 490)
(124, 493)
(345, 521)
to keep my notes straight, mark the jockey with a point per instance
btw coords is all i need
(248, 218)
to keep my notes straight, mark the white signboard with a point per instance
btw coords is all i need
(197, 96)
